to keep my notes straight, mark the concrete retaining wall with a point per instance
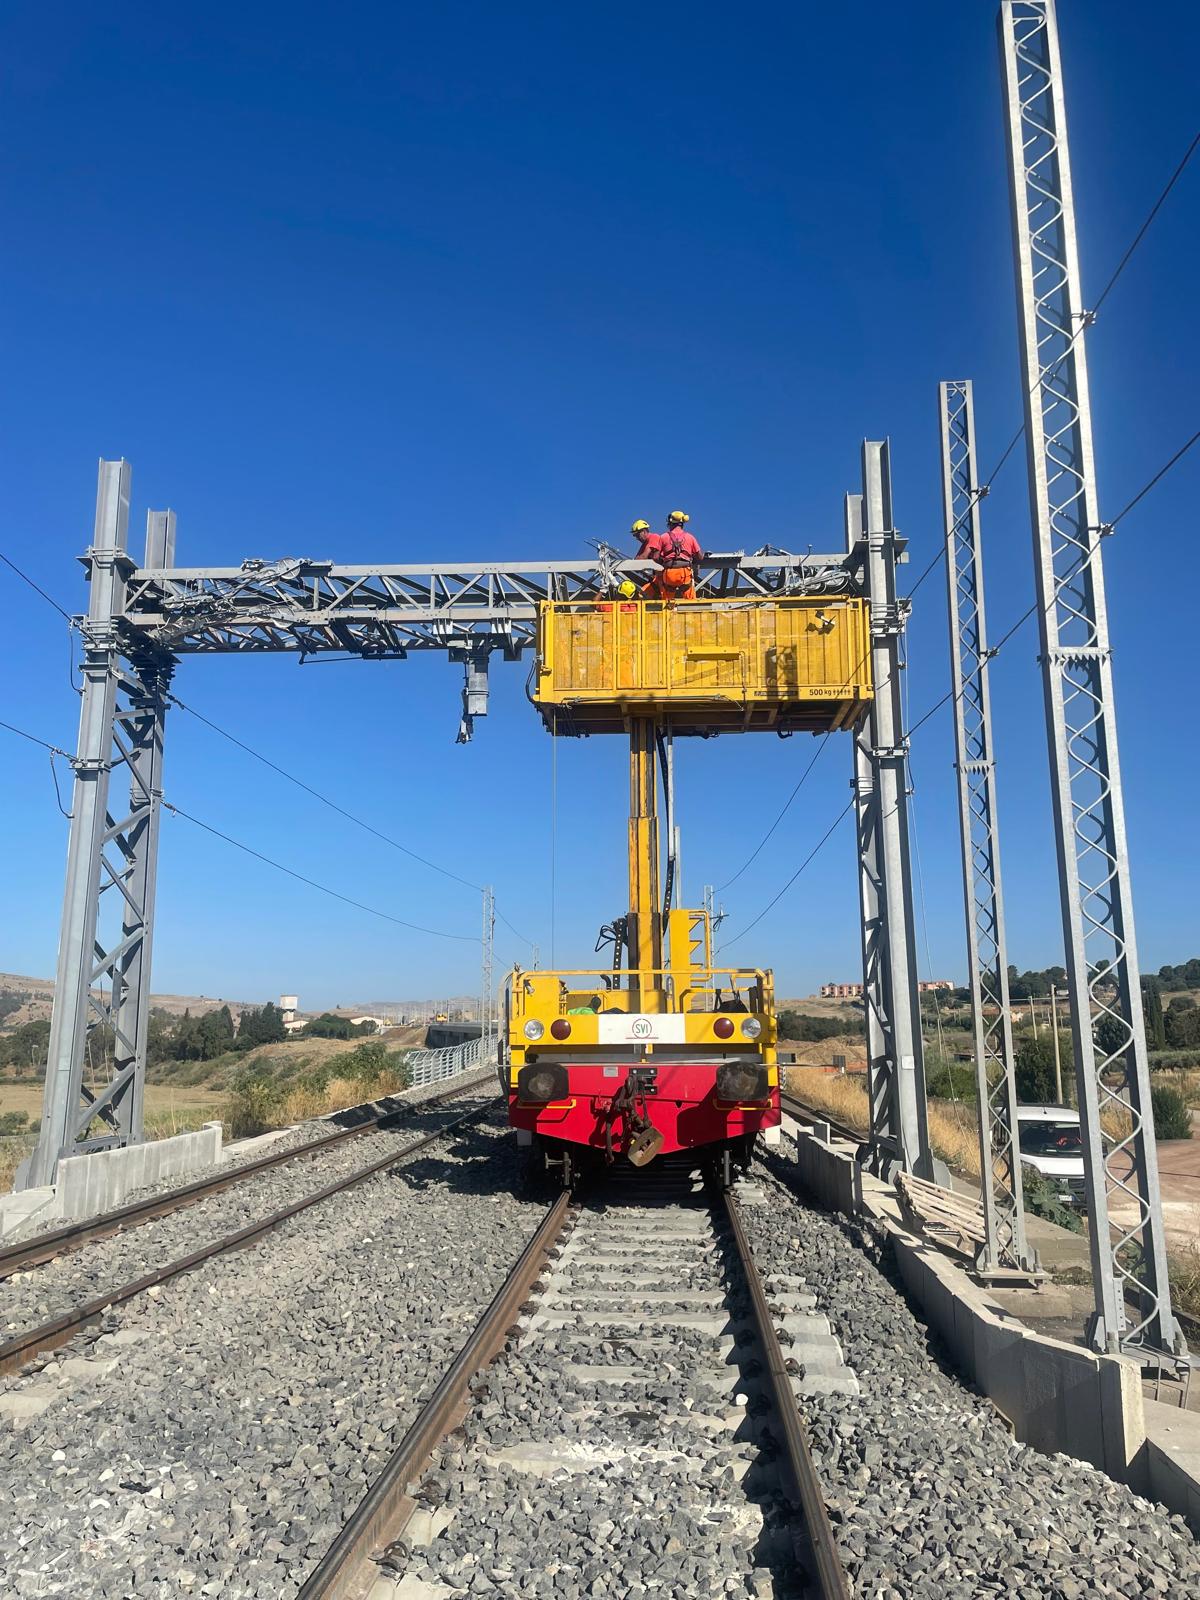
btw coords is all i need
(1057, 1397)
(88, 1185)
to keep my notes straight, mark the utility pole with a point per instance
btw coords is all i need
(488, 947)
(1129, 1258)
(1005, 1249)
(1057, 1047)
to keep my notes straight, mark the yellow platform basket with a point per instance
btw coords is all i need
(800, 664)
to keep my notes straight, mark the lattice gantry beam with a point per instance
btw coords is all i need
(316, 606)
(1129, 1269)
(1005, 1248)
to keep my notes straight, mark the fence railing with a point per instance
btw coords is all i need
(434, 1066)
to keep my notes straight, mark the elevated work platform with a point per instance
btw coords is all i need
(704, 666)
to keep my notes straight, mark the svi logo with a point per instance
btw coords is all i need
(642, 1028)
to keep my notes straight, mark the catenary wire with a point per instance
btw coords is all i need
(341, 810)
(336, 894)
(36, 587)
(437, 933)
(993, 651)
(803, 865)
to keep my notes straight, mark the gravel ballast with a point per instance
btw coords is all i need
(930, 1494)
(610, 1451)
(44, 1292)
(252, 1401)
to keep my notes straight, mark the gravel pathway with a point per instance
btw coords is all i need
(931, 1497)
(250, 1403)
(33, 1297)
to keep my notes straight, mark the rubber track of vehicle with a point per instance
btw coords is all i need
(50, 1335)
(73, 1236)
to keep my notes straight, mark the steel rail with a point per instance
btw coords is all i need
(343, 1571)
(72, 1236)
(796, 1458)
(51, 1335)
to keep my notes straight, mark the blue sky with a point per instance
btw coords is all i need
(397, 284)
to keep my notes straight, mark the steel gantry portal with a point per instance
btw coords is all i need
(1128, 1242)
(142, 620)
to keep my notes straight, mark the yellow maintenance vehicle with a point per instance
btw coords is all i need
(662, 1051)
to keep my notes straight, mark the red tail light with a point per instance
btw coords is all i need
(560, 1028)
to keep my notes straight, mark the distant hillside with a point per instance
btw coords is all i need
(37, 994)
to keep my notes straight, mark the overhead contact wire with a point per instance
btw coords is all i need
(386, 916)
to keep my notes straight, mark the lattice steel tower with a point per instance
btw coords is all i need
(1004, 1249)
(1129, 1267)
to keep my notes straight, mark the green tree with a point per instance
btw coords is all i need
(260, 1025)
(1182, 1023)
(327, 1026)
(1156, 1036)
(1172, 1118)
(1033, 1068)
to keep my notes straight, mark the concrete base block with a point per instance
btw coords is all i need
(92, 1184)
(1173, 1460)
(24, 1208)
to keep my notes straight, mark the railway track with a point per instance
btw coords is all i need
(38, 1340)
(54, 1242)
(640, 1385)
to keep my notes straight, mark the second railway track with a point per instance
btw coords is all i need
(51, 1243)
(57, 1305)
(642, 1424)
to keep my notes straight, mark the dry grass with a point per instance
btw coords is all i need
(12, 1152)
(302, 1103)
(952, 1125)
(1183, 1269)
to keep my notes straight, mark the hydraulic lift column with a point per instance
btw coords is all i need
(644, 927)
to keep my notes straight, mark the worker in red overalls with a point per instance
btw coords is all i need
(676, 554)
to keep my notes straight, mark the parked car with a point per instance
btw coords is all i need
(1051, 1143)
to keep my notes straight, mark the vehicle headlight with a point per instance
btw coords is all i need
(533, 1029)
(751, 1027)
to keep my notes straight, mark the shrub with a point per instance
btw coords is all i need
(1172, 1119)
(1041, 1200)
(14, 1121)
(255, 1103)
(946, 1079)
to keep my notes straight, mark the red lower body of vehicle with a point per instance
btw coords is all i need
(602, 1106)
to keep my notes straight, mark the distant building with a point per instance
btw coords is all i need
(853, 991)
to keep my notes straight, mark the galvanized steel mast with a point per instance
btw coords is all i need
(112, 855)
(1004, 1249)
(1129, 1267)
(897, 1084)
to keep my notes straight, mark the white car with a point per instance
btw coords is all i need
(1052, 1144)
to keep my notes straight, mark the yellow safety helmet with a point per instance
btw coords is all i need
(679, 516)
(640, 526)
(627, 589)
